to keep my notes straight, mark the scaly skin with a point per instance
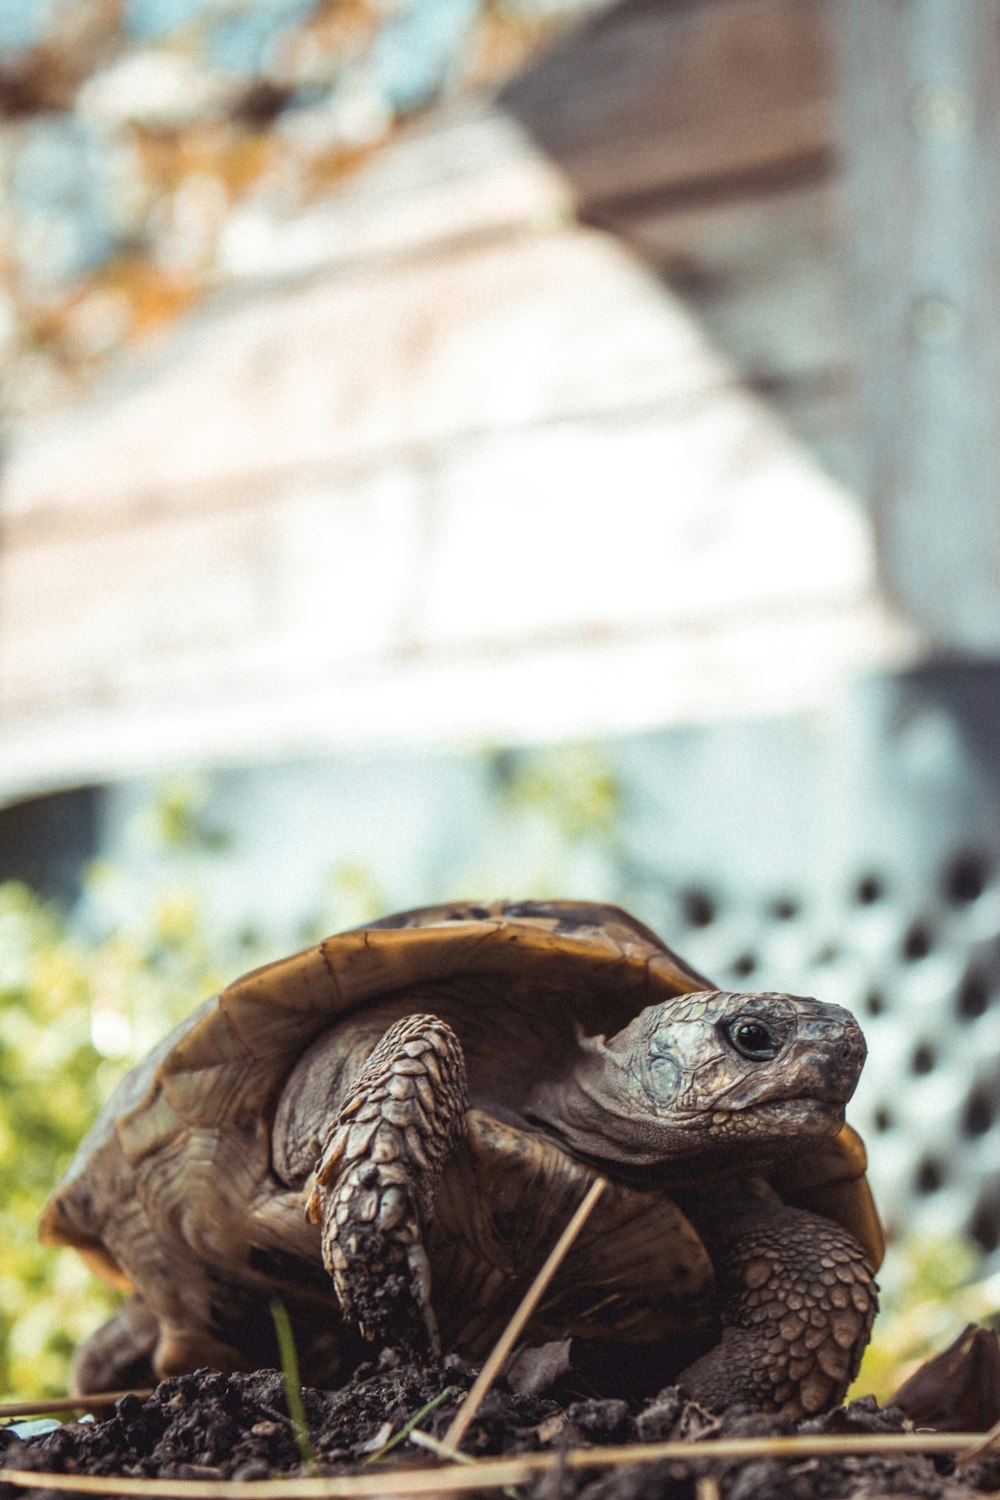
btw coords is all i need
(377, 1177)
(798, 1301)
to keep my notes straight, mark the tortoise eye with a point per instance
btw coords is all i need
(753, 1040)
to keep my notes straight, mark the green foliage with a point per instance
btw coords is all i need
(73, 1016)
(929, 1293)
(180, 820)
(570, 790)
(75, 1013)
(554, 829)
(49, 1072)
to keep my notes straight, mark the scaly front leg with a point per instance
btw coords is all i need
(377, 1176)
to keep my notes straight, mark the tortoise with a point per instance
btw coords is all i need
(388, 1131)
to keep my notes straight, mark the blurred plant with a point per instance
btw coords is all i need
(49, 1072)
(355, 893)
(180, 818)
(573, 788)
(554, 829)
(75, 1012)
(929, 1293)
(72, 1017)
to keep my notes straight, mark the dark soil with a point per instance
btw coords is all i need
(209, 1425)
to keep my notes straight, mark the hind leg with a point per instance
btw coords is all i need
(377, 1177)
(118, 1356)
(134, 1348)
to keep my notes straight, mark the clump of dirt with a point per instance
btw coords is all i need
(208, 1425)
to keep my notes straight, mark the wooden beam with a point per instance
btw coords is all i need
(668, 100)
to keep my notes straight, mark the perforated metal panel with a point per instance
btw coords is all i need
(854, 857)
(923, 976)
(889, 904)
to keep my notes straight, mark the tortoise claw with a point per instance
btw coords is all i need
(420, 1272)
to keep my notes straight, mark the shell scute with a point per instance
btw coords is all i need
(214, 1042)
(149, 1127)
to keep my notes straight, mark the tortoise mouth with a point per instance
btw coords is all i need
(827, 1100)
(797, 1112)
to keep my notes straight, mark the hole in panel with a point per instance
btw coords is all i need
(744, 965)
(868, 890)
(697, 907)
(930, 1176)
(784, 909)
(917, 942)
(978, 1116)
(965, 878)
(973, 996)
(923, 1059)
(874, 1003)
(882, 1120)
(985, 1227)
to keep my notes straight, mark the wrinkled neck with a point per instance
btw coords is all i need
(586, 1111)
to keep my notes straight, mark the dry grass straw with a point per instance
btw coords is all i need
(987, 1445)
(527, 1305)
(494, 1473)
(61, 1404)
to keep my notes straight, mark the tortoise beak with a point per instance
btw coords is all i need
(830, 1050)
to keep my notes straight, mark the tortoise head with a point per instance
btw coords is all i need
(709, 1077)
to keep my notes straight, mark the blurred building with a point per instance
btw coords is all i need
(631, 400)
